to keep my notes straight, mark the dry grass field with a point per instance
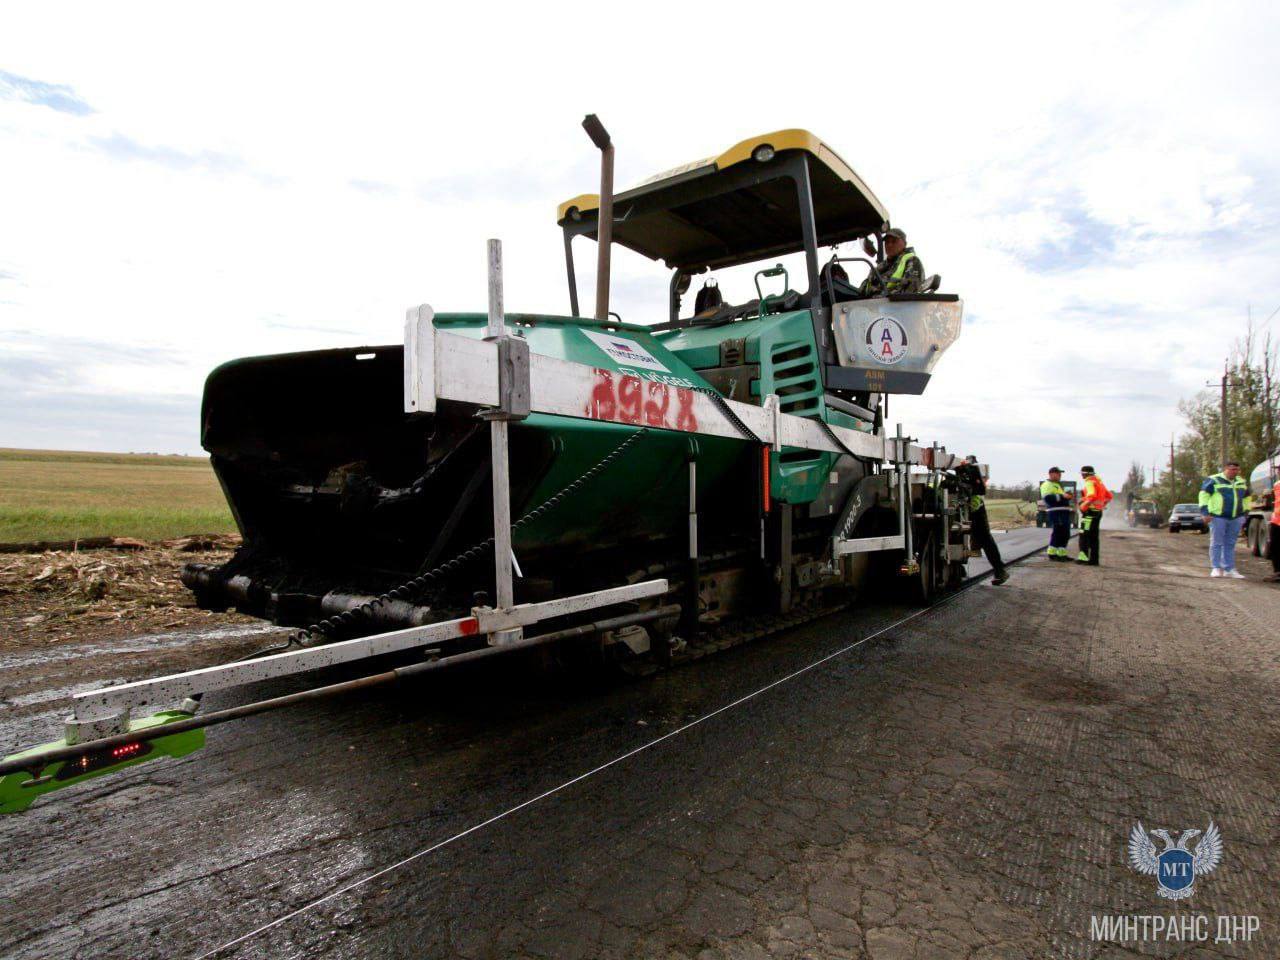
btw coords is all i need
(64, 495)
(1011, 513)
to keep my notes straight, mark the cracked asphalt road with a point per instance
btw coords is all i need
(963, 786)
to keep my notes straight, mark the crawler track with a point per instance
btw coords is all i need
(742, 630)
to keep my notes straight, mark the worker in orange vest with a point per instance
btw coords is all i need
(1093, 501)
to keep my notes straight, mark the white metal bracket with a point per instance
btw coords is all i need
(773, 410)
(420, 360)
(842, 548)
(114, 703)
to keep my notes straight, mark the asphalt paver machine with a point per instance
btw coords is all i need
(632, 493)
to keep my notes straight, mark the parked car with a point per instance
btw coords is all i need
(1186, 516)
(1143, 513)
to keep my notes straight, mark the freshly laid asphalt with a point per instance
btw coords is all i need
(961, 785)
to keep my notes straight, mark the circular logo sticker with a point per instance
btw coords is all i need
(886, 340)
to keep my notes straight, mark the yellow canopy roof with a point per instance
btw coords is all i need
(713, 213)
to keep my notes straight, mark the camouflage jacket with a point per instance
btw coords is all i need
(903, 274)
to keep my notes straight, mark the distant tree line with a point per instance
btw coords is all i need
(1022, 491)
(1253, 411)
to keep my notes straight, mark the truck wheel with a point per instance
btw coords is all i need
(1174, 529)
(1253, 537)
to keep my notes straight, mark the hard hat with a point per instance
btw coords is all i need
(1086, 470)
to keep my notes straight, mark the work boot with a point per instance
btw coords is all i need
(1000, 577)
(1083, 558)
(1272, 578)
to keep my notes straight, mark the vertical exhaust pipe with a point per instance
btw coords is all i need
(604, 227)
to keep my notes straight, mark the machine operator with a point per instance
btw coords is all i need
(901, 272)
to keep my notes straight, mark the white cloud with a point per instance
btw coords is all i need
(1098, 185)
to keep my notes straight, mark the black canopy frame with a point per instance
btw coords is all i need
(742, 216)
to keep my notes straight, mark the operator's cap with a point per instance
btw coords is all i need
(896, 232)
(1055, 469)
(1086, 470)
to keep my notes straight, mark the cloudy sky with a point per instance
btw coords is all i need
(181, 185)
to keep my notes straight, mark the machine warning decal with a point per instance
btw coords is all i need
(625, 351)
(886, 340)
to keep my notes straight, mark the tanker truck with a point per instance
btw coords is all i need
(631, 493)
(1262, 482)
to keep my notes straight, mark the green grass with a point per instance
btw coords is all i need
(64, 495)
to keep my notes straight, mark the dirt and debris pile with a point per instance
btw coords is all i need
(53, 595)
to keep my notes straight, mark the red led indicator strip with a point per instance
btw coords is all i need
(765, 475)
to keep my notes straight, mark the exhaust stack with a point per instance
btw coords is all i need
(604, 230)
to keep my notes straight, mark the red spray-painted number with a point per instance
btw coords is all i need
(686, 419)
(656, 407)
(624, 398)
(630, 393)
(602, 405)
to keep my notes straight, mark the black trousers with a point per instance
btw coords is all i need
(1091, 535)
(980, 532)
(1275, 546)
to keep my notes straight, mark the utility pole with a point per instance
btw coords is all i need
(1267, 406)
(1225, 453)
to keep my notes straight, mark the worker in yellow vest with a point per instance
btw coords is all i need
(1224, 501)
(1057, 507)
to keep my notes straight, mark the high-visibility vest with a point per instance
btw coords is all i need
(1096, 495)
(1216, 502)
(1275, 504)
(900, 271)
(1049, 488)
